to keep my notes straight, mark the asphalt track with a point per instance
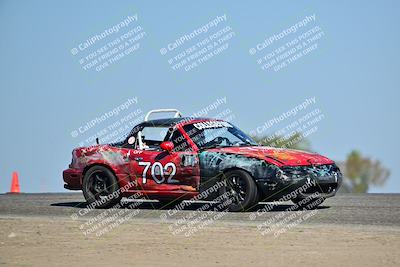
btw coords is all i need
(343, 209)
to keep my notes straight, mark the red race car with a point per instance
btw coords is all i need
(176, 159)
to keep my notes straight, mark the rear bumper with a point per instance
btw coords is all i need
(72, 179)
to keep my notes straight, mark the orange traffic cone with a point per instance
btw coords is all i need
(15, 184)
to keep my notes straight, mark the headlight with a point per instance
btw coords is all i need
(299, 172)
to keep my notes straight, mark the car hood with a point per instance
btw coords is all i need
(277, 156)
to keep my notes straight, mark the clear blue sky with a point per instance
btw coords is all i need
(45, 94)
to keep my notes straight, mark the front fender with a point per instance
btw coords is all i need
(213, 164)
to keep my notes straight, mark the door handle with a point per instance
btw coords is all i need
(138, 159)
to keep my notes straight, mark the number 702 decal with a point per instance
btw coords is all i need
(158, 169)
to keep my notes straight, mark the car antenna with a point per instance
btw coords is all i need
(97, 140)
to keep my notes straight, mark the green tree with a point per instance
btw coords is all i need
(361, 172)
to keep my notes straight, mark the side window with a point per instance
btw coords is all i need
(152, 137)
(196, 135)
(180, 143)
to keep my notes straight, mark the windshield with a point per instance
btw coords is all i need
(209, 134)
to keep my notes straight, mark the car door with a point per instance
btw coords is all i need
(176, 170)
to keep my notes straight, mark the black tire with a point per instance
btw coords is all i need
(310, 204)
(100, 187)
(242, 191)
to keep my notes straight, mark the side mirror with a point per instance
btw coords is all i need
(167, 146)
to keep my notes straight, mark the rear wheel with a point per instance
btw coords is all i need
(239, 192)
(100, 186)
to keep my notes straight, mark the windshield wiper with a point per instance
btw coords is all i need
(243, 144)
(231, 145)
(214, 146)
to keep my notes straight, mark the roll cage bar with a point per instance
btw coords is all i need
(177, 112)
(146, 118)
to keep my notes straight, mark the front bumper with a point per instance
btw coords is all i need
(72, 179)
(298, 189)
(302, 186)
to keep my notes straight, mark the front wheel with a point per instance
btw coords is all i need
(240, 191)
(100, 187)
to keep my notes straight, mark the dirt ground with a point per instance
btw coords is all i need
(60, 242)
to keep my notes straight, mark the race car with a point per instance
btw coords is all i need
(185, 158)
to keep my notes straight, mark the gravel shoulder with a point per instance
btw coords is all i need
(59, 242)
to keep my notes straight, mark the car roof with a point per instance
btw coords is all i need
(170, 122)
